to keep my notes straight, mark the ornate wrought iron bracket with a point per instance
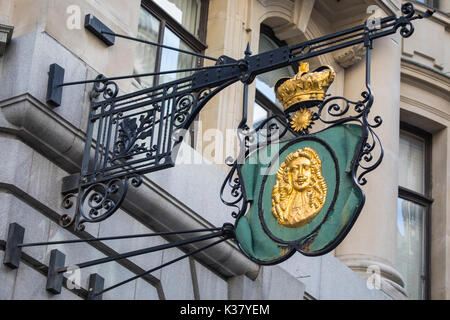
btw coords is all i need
(133, 134)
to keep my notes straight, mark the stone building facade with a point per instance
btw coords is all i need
(40, 145)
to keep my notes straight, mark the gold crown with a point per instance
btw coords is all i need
(306, 88)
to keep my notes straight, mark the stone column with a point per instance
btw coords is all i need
(370, 247)
(227, 35)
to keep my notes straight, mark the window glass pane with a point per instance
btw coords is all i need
(259, 114)
(266, 81)
(145, 55)
(412, 163)
(174, 60)
(185, 12)
(411, 247)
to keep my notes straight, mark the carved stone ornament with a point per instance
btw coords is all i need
(350, 56)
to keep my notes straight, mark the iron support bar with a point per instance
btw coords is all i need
(133, 134)
(142, 251)
(115, 237)
(163, 265)
(104, 79)
(159, 45)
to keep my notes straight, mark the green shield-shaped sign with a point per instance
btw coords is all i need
(305, 198)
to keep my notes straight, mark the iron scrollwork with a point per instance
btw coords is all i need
(134, 134)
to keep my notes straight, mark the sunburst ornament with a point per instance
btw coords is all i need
(301, 120)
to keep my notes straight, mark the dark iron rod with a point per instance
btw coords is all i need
(161, 266)
(159, 45)
(243, 122)
(339, 34)
(337, 41)
(115, 237)
(142, 251)
(245, 97)
(148, 74)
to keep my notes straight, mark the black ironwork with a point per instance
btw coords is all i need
(54, 278)
(56, 268)
(145, 251)
(133, 134)
(54, 92)
(159, 45)
(12, 251)
(145, 235)
(163, 265)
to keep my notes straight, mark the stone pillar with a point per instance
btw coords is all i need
(370, 247)
(227, 35)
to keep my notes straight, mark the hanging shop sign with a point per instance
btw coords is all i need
(308, 195)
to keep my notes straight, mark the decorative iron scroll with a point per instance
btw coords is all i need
(134, 134)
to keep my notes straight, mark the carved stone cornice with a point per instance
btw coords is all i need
(6, 32)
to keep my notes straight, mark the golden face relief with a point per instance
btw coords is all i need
(300, 173)
(300, 190)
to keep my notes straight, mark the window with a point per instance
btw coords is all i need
(266, 104)
(175, 23)
(430, 3)
(413, 210)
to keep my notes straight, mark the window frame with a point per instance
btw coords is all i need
(430, 3)
(196, 44)
(424, 200)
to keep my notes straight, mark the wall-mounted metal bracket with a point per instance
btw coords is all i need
(137, 133)
(54, 277)
(70, 184)
(13, 252)
(96, 285)
(97, 27)
(54, 88)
